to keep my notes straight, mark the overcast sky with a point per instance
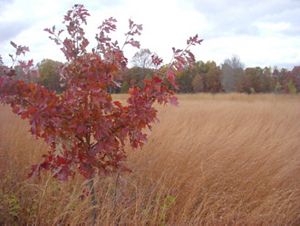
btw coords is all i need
(261, 33)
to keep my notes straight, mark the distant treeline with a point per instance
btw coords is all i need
(231, 76)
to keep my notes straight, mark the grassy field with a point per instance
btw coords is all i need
(214, 160)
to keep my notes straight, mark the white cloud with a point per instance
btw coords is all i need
(254, 51)
(270, 27)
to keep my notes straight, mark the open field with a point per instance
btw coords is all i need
(214, 160)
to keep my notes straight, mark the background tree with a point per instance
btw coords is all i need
(251, 81)
(142, 68)
(143, 59)
(232, 72)
(3, 68)
(49, 71)
(279, 80)
(293, 78)
(267, 83)
(212, 78)
(198, 83)
(184, 81)
(291, 87)
(26, 76)
(198, 71)
(285, 81)
(135, 76)
(203, 77)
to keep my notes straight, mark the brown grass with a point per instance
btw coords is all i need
(214, 160)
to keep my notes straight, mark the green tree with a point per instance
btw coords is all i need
(197, 83)
(292, 87)
(124, 87)
(49, 74)
(267, 83)
(184, 80)
(213, 78)
(251, 80)
(295, 77)
(135, 77)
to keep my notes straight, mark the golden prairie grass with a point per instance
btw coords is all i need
(214, 160)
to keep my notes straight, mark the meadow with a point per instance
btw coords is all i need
(225, 159)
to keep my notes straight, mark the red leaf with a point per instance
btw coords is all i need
(81, 129)
(157, 79)
(118, 104)
(171, 77)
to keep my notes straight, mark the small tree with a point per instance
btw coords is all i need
(84, 127)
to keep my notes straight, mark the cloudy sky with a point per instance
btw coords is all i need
(261, 33)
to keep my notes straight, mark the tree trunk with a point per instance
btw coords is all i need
(91, 185)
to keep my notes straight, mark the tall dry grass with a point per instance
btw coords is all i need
(214, 160)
